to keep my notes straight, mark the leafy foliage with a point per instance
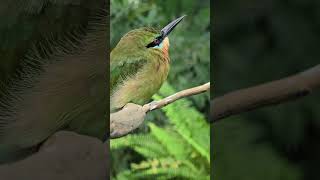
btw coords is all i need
(178, 150)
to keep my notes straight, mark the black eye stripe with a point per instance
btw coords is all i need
(152, 44)
(155, 42)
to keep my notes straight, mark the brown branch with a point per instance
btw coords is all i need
(170, 99)
(270, 93)
(132, 115)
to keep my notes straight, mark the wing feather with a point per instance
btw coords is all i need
(121, 69)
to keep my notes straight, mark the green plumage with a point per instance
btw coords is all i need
(137, 72)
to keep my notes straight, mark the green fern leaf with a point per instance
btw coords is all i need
(146, 145)
(163, 168)
(189, 122)
(172, 141)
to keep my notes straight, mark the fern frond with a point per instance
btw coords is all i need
(172, 141)
(146, 145)
(188, 122)
(162, 168)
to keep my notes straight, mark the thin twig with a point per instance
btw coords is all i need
(184, 93)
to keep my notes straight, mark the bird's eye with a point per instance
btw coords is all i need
(155, 42)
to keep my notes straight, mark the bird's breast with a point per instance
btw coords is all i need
(165, 48)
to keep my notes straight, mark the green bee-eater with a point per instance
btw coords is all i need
(139, 65)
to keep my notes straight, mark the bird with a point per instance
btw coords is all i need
(53, 72)
(139, 64)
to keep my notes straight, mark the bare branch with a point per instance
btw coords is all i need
(170, 99)
(126, 120)
(274, 92)
(132, 115)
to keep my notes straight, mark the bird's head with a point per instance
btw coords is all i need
(147, 40)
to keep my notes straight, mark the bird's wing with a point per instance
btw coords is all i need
(120, 69)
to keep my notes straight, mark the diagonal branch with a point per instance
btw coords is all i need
(170, 99)
(270, 93)
(132, 115)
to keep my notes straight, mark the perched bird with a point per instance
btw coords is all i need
(139, 65)
(52, 72)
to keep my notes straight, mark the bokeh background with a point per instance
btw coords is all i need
(174, 142)
(255, 42)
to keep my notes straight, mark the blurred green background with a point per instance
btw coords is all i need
(255, 42)
(174, 142)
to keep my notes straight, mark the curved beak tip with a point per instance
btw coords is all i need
(168, 28)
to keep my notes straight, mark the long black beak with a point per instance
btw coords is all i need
(166, 30)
